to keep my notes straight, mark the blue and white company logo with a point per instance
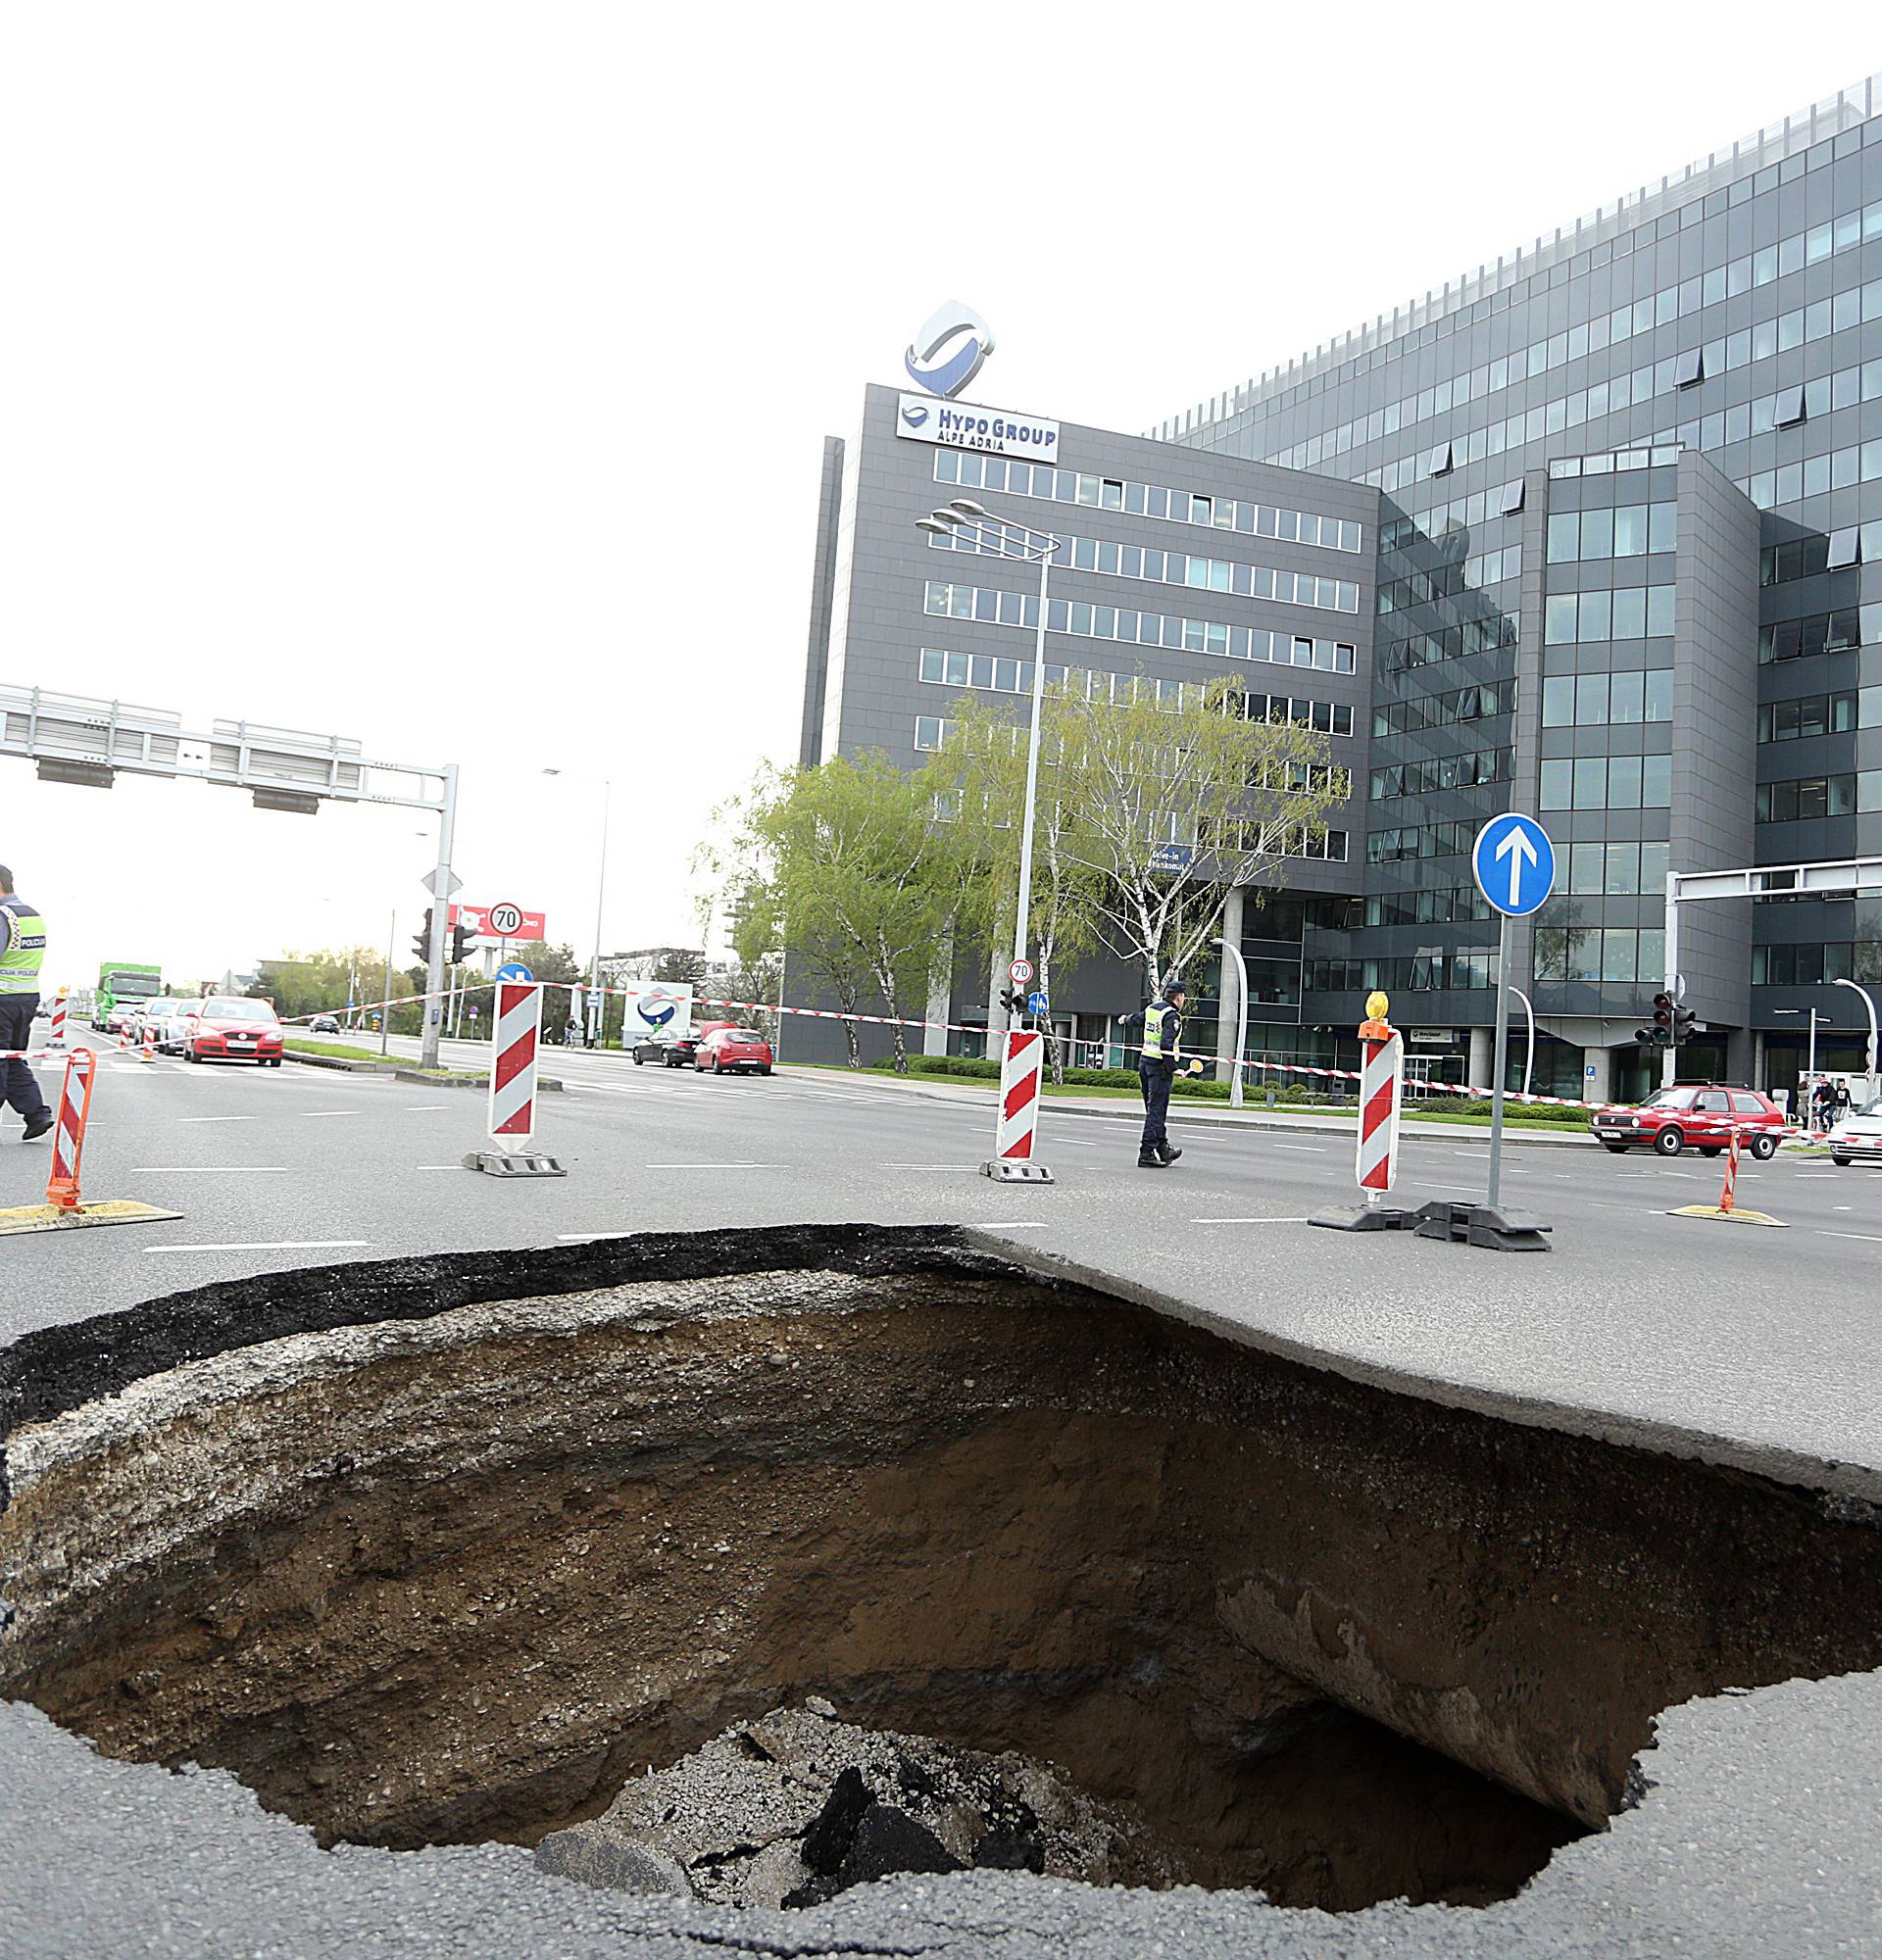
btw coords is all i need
(914, 414)
(949, 350)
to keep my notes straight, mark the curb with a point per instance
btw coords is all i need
(340, 1063)
(543, 1082)
(1203, 1116)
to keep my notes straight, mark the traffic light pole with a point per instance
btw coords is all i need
(1493, 1190)
(440, 924)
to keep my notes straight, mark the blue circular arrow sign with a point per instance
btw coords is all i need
(1036, 1003)
(515, 970)
(1514, 864)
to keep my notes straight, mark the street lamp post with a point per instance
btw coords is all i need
(596, 1021)
(1241, 1021)
(1809, 1069)
(1869, 1002)
(963, 517)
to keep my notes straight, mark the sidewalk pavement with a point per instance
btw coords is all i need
(1253, 1116)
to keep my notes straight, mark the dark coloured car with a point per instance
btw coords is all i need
(674, 1054)
(1703, 1115)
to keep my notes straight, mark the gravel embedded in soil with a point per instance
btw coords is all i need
(797, 1806)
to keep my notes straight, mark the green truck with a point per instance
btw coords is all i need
(120, 982)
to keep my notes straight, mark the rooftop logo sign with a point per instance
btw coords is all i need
(949, 350)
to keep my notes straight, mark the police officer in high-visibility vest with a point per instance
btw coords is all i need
(1157, 1066)
(23, 951)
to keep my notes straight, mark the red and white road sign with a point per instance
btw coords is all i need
(68, 1138)
(512, 1065)
(1381, 1073)
(1019, 972)
(57, 1039)
(1019, 1075)
(501, 922)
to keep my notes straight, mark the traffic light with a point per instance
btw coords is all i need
(1013, 1001)
(461, 937)
(421, 944)
(1683, 1019)
(1663, 1020)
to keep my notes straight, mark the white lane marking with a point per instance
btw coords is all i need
(712, 1166)
(455, 1166)
(1867, 1238)
(1816, 1173)
(205, 1170)
(309, 1115)
(1248, 1221)
(218, 1119)
(412, 1109)
(268, 1245)
(1318, 1150)
(1841, 1207)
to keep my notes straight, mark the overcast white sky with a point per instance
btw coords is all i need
(453, 377)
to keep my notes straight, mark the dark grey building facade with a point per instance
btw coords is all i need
(1609, 516)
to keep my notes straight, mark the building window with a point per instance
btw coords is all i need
(1789, 407)
(1689, 368)
(1846, 547)
(1440, 460)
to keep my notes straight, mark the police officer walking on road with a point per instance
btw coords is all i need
(1163, 1026)
(23, 951)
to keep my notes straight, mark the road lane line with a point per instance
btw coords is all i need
(218, 1119)
(268, 1245)
(712, 1166)
(1867, 1238)
(1318, 1150)
(205, 1170)
(308, 1116)
(412, 1109)
(1248, 1221)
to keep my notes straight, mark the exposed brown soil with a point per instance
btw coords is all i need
(453, 1578)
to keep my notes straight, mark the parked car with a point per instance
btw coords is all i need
(1858, 1134)
(666, 1054)
(733, 1051)
(1703, 1115)
(224, 1028)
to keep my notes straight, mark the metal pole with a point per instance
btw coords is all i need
(1502, 1061)
(1021, 917)
(386, 992)
(1529, 1055)
(595, 1022)
(1869, 1001)
(1810, 1071)
(1670, 1063)
(1241, 1021)
(440, 922)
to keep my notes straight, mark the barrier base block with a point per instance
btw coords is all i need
(1016, 1171)
(56, 1218)
(1365, 1218)
(1737, 1217)
(1464, 1222)
(513, 1163)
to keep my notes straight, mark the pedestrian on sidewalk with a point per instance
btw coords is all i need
(22, 951)
(1157, 1061)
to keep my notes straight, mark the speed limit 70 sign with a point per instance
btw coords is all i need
(506, 921)
(1019, 972)
(501, 922)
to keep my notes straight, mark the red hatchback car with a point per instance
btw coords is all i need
(733, 1051)
(1703, 1115)
(226, 1029)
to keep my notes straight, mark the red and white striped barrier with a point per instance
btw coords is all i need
(516, 1042)
(512, 1065)
(1380, 1079)
(57, 1039)
(69, 1132)
(1020, 1070)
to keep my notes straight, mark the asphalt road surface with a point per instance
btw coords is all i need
(1759, 1341)
(1743, 1344)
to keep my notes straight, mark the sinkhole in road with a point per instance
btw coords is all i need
(450, 1549)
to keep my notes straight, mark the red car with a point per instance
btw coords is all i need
(1703, 1115)
(223, 1028)
(733, 1051)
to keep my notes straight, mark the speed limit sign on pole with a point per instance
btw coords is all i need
(505, 920)
(1019, 972)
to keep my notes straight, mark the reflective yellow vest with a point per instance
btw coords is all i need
(1155, 1047)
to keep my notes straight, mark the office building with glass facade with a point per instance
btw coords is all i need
(1595, 532)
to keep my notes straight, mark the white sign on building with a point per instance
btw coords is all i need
(656, 1008)
(963, 425)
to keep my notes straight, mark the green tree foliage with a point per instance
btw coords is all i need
(1151, 809)
(845, 864)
